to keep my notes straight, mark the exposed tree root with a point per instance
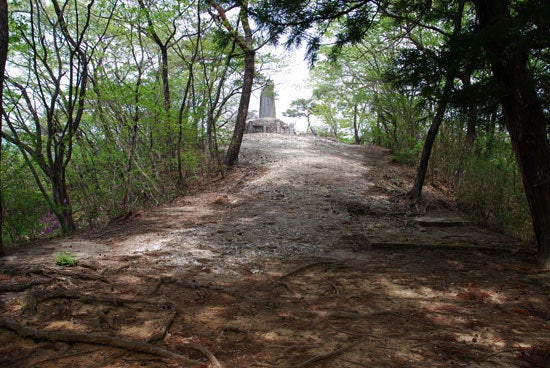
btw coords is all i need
(155, 287)
(7, 288)
(117, 342)
(349, 333)
(80, 275)
(306, 266)
(203, 290)
(286, 286)
(354, 362)
(102, 317)
(292, 348)
(351, 315)
(59, 357)
(40, 296)
(160, 335)
(343, 314)
(497, 353)
(190, 284)
(322, 357)
(110, 358)
(51, 273)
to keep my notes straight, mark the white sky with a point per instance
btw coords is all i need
(291, 83)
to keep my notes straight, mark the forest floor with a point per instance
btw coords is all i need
(305, 255)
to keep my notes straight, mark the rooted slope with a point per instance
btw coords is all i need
(305, 255)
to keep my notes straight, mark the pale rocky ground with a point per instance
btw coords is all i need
(307, 254)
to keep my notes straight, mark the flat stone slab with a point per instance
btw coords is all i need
(428, 221)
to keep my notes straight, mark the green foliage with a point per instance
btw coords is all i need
(125, 150)
(493, 191)
(23, 203)
(399, 125)
(65, 259)
(400, 87)
(121, 147)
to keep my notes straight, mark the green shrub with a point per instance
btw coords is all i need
(65, 259)
(23, 204)
(493, 191)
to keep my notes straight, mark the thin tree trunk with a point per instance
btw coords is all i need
(163, 46)
(355, 125)
(416, 191)
(164, 72)
(471, 132)
(471, 114)
(309, 127)
(468, 144)
(165, 79)
(523, 113)
(133, 133)
(246, 45)
(184, 105)
(4, 38)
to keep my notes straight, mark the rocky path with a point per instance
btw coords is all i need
(303, 256)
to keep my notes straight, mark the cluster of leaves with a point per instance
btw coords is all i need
(110, 105)
(381, 80)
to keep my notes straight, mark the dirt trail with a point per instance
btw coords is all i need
(303, 256)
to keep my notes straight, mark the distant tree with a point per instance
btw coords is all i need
(302, 108)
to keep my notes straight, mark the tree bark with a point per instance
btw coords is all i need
(63, 209)
(240, 125)
(4, 42)
(164, 73)
(246, 44)
(163, 46)
(452, 71)
(356, 125)
(416, 191)
(523, 113)
(133, 130)
(184, 105)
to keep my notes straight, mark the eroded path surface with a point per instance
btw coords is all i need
(305, 255)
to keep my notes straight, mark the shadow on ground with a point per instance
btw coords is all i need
(304, 256)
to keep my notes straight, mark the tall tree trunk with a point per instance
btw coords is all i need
(240, 125)
(356, 125)
(452, 71)
(246, 43)
(523, 113)
(63, 209)
(185, 104)
(164, 73)
(165, 79)
(416, 191)
(471, 133)
(4, 38)
(471, 114)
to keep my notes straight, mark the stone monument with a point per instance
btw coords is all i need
(267, 101)
(268, 122)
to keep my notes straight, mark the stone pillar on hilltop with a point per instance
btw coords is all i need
(267, 101)
(268, 122)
